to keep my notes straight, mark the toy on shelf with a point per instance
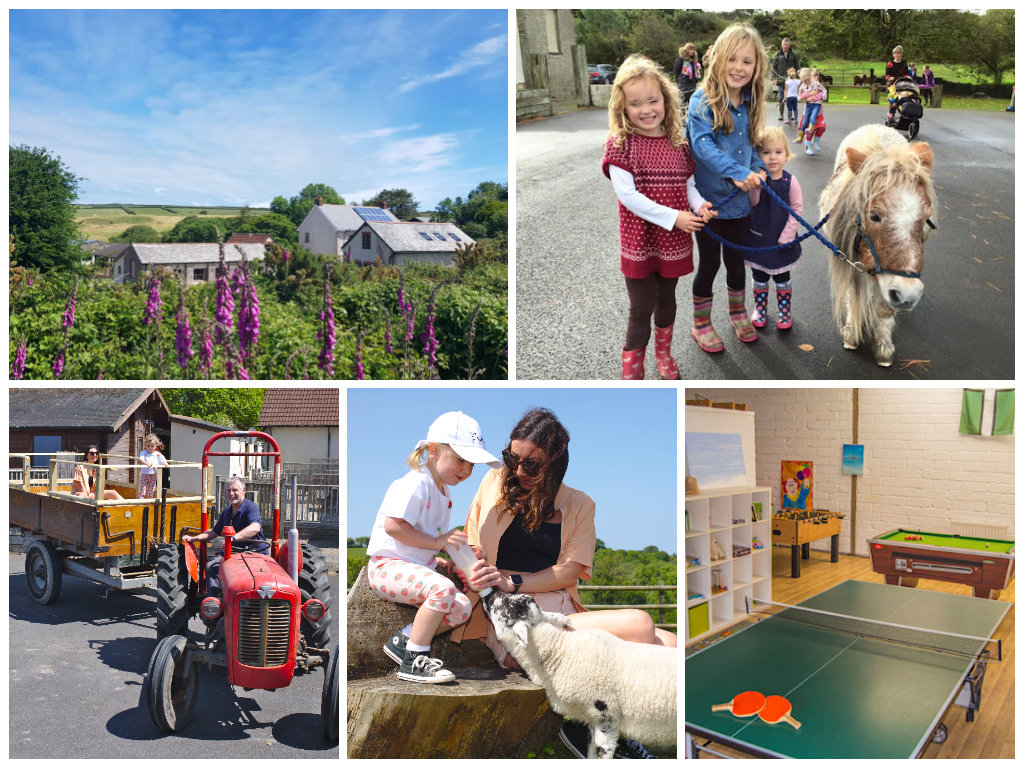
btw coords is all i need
(756, 543)
(738, 551)
(692, 562)
(717, 553)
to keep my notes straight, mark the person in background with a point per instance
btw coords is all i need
(784, 60)
(927, 84)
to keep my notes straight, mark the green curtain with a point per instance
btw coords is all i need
(1003, 422)
(970, 412)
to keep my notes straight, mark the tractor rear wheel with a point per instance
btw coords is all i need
(172, 612)
(172, 685)
(43, 572)
(329, 701)
(313, 583)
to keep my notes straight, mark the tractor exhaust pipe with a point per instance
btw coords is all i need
(293, 534)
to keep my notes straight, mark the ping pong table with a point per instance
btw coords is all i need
(855, 695)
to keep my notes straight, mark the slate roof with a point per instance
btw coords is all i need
(67, 408)
(300, 407)
(344, 217)
(408, 236)
(194, 422)
(190, 253)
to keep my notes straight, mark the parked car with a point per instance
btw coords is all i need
(601, 73)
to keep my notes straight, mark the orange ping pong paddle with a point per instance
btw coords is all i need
(744, 704)
(777, 708)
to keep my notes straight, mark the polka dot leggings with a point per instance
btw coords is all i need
(403, 582)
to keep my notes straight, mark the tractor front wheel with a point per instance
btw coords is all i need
(171, 592)
(172, 684)
(313, 583)
(43, 572)
(329, 701)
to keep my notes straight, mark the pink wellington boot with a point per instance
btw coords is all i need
(760, 317)
(633, 363)
(663, 353)
(703, 332)
(738, 315)
(785, 297)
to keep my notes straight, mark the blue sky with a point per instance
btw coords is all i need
(236, 107)
(622, 450)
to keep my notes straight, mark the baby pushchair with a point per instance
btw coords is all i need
(905, 110)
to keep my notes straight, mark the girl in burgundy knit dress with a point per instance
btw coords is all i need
(649, 163)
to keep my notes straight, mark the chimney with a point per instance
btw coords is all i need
(383, 203)
(319, 200)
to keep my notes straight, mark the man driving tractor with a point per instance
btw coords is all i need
(244, 516)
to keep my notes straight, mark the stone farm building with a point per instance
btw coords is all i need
(400, 242)
(195, 262)
(363, 234)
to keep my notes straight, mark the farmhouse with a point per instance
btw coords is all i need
(326, 228)
(402, 242)
(45, 422)
(303, 421)
(194, 262)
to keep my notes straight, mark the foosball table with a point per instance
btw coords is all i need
(798, 528)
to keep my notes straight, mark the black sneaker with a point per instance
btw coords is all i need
(628, 749)
(576, 736)
(395, 646)
(420, 668)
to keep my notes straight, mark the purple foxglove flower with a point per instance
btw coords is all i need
(67, 320)
(326, 333)
(20, 355)
(155, 303)
(58, 363)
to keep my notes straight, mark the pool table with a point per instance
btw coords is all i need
(983, 564)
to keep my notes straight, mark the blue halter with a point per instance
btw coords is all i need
(878, 269)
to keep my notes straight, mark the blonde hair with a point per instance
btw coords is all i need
(791, 72)
(804, 74)
(151, 436)
(716, 93)
(688, 47)
(415, 459)
(637, 65)
(774, 136)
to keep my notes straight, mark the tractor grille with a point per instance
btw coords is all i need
(263, 629)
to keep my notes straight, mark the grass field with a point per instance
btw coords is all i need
(101, 222)
(862, 95)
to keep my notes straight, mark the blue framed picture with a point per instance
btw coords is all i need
(853, 459)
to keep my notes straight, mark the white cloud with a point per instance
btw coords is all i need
(421, 154)
(488, 53)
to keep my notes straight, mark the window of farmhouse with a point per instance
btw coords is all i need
(366, 241)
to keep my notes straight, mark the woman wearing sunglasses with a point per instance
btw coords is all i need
(84, 480)
(536, 535)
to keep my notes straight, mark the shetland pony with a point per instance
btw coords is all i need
(880, 200)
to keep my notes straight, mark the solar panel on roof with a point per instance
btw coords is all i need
(373, 214)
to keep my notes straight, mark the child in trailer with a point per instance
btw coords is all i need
(649, 164)
(772, 225)
(724, 115)
(153, 460)
(410, 529)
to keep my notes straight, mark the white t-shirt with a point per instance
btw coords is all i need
(157, 458)
(415, 498)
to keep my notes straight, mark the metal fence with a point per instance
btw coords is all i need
(659, 608)
(317, 505)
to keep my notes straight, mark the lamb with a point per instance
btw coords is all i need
(613, 686)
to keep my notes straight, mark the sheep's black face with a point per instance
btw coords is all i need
(508, 610)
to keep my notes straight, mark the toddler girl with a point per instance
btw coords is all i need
(153, 460)
(811, 92)
(411, 528)
(792, 89)
(771, 224)
(724, 115)
(649, 164)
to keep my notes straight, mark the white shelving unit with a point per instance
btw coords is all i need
(725, 515)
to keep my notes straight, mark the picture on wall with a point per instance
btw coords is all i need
(797, 485)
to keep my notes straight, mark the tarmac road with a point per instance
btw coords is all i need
(76, 672)
(571, 303)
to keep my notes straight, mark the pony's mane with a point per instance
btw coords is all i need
(883, 169)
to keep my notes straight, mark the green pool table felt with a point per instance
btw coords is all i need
(948, 540)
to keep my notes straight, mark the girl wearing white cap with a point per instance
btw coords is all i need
(411, 528)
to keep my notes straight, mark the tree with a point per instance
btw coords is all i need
(41, 210)
(192, 229)
(297, 207)
(237, 408)
(993, 42)
(139, 233)
(399, 201)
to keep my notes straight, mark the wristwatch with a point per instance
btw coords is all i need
(517, 580)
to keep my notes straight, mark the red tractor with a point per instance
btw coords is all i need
(273, 616)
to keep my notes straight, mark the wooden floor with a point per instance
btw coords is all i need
(991, 735)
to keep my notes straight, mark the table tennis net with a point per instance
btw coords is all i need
(931, 639)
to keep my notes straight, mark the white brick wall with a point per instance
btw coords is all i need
(919, 471)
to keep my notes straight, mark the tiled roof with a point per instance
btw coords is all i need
(73, 408)
(419, 237)
(246, 237)
(300, 407)
(344, 217)
(189, 253)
